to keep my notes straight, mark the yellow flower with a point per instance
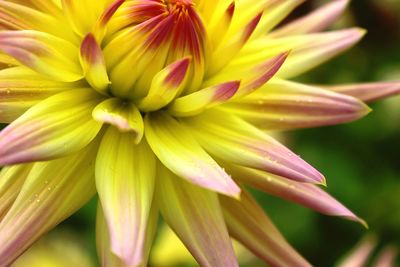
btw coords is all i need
(163, 106)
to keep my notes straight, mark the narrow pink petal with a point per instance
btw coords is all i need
(368, 91)
(308, 195)
(93, 64)
(248, 223)
(57, 126)
(359, 256)
(387, 257)
(176, 148)
(106, 256)
(52, 191)
(195, 216)
(288, 105)
(316, 21)
(230, 138)
(125, 176)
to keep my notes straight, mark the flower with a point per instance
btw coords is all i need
(163, 106)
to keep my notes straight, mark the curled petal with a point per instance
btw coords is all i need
(308, 195)
(11, 180)
(57, 126)
(232, 139)
(123, 115)
(93, 64)
(203, 99)
(195, 216)
(315, 21)
(248, 223)
(168, 83)
(125, 175)
(52, 191)
(288, 105)
(44, 53)
(179, 152)
(307, 51)
(21, 88)
(368, 91)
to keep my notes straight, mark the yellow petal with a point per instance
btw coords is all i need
(121, 114)
(93, 64)
(57, 126)
(21, 88)
(52, 191)
(168, 83)
(178, 151)
(195, 216)
(203, 99)
(249, 224)
(125, 175)
(107, 257)
(11, 180)
(44, 53)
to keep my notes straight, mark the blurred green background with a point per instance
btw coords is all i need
(360, 160)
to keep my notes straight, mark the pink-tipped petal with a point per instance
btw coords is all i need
(203, 99)
(250, 225)
(308, 195)
(106, 256)
(44, 53)
(368, 91)
(176, 148)
(307, 51)
(195, 216)
(230, 138)
(58, 126)
(316, 21)
(93, 64)
(52, 192)
(288, 105)
(165, 85)
(251, 78)
(125, 175)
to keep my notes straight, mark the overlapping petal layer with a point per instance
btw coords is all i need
(200, 80)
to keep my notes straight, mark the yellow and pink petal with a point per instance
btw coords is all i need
(177, 149)
(283, 105)
(52, 191)
(228, 137)
(57, 126)
(195, 215)
(248, 223)
(125, 178)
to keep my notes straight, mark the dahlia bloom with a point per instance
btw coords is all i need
(163, 106)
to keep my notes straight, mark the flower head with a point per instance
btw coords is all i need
(163, 106)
